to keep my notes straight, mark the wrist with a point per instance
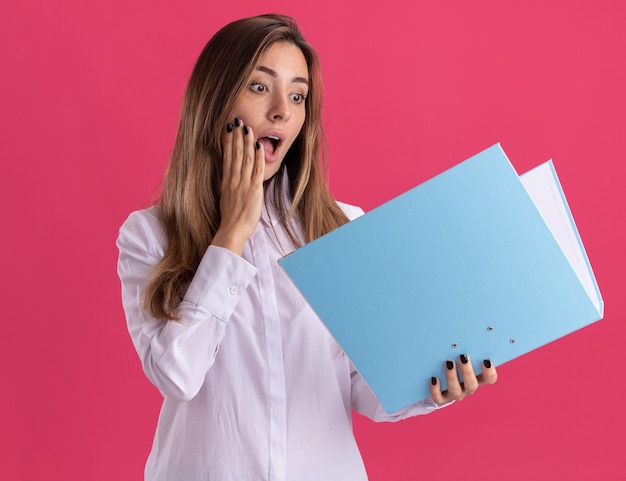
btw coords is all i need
(229, 240)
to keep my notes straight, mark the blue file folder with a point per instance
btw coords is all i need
(476, 260)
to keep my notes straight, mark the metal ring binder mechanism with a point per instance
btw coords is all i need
(416, 280)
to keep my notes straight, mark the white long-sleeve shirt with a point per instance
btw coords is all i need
(254, 386)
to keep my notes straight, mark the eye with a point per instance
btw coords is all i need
(297, 98)
(258, 87)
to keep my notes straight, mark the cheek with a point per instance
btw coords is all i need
(293, 140)
(298, 130)
(243, 110)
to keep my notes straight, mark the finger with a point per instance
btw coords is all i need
(237, 151)
(455, 390)
(489, 374)
(258, 173)
(435, 391)
(227, 147)
(249, 153)
(469, 380)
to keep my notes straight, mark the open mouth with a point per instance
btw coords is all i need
(270, 143)
(274, 141)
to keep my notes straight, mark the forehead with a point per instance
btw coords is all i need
(286, 59)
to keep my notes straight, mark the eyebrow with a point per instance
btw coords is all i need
(274, 74)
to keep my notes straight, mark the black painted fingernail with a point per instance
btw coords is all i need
(245, 129)
(433, 381)
(237, 122)
(487, 363)
(229, 128)
(449, 365)
(258, 145)
(463, 358)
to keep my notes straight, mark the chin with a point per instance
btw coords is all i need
(271, 170)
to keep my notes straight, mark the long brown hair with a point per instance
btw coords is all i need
(190, 195)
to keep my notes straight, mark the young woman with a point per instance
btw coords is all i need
(254, 387)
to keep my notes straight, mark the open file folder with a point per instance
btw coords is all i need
(476, 260)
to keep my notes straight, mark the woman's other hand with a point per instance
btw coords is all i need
(241, 198)
(461, 380)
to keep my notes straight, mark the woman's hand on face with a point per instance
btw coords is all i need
(241, 198)
(461, 382)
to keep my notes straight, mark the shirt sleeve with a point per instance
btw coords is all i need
(364, 402)
(176, 355)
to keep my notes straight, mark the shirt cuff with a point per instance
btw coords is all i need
(219, 282)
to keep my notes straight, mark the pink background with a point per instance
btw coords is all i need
(90, 92)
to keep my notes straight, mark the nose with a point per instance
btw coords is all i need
(279, 108)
